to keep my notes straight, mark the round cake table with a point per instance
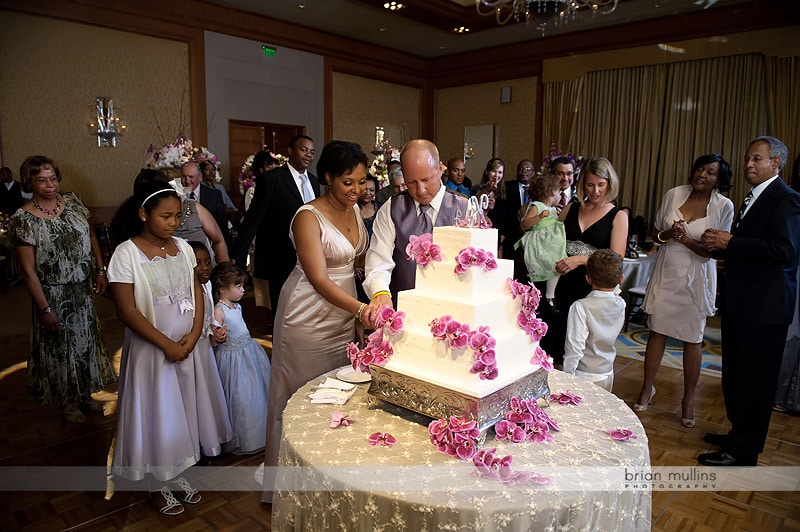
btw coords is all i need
(333, 479)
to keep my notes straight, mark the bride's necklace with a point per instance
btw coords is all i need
(48, 212)
(347, 218)
(160, 246)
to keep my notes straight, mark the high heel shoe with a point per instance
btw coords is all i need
(641, 408)
(687, 422)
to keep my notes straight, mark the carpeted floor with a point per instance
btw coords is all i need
(631, 344)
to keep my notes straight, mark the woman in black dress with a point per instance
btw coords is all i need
(595, 221)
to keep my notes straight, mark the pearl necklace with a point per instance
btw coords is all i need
(48, 212)
(347, 218)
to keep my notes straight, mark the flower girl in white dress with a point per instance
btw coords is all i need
(243, 365)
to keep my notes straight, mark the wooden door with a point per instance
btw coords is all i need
(246, 138)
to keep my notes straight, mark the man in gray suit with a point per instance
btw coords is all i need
(416, 211)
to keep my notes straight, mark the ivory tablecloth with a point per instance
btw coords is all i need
(332, 479)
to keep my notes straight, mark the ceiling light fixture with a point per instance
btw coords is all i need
(461, 29)
(393, 6)
(542, 12)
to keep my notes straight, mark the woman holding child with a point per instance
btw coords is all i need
(595, 221)
(682, 290)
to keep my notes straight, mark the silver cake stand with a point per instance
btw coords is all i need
(438, 402)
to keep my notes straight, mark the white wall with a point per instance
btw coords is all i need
(243, 84)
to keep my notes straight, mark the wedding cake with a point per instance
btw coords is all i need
(469, 336)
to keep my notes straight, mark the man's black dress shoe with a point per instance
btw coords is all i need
(716, 439)
(723, 459)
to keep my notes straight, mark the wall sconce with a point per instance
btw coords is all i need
(105, 124)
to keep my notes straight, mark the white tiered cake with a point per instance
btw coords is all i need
(424, 372)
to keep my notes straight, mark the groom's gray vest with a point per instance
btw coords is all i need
(404, 217)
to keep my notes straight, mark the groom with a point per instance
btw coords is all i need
(416, 211)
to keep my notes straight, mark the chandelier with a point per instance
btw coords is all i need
(542, 12)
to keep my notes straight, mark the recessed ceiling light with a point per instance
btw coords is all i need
(393, 6)
(381, 29)
(461, 29)
(301, 6)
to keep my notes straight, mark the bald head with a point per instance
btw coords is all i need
(190, 175)
(419, 160)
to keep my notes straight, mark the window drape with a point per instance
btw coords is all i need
(653, 121)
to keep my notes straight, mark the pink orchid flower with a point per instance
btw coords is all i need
(422, 249)
(382, 438)
(517, 288)
(541, 358)
(457, 334)
(508, 430)
(622, 435)
(339, 420)
(539, 432)
(390, 319)
(439, 327)
(566, 398)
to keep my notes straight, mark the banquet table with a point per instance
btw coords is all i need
(333, 479)
(636, 272)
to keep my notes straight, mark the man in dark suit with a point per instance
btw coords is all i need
(757, 301)
(10, 192)
(278, 195)
(208, 197)
(564, 169)
(516, 197)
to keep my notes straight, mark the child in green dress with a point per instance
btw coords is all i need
(544, 241)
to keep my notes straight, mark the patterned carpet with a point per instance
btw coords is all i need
(631, 344)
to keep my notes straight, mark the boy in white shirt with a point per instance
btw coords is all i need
(595, 321)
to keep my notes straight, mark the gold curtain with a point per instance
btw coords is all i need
(652, 122)
(559, 114)
(712, 106)
(783, 107)
(620, 118)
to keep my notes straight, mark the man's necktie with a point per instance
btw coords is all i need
(424, 222)
(308, 195)
(745, 203)
(563, 201)
(524, 194)
(191, 195)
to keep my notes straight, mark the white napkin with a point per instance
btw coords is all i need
(332, 392)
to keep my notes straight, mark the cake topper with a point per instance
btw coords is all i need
(475, 213)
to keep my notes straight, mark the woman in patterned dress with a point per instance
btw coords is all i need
(58, 254)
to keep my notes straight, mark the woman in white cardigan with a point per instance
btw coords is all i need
(682, 290)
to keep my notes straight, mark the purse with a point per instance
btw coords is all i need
(576, 248)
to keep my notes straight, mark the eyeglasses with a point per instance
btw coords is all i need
(46, 180)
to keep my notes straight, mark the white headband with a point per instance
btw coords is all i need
(156, 193)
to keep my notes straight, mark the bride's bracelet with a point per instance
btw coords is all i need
(661, 239)
(360, 311)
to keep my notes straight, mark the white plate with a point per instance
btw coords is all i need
(348, 374)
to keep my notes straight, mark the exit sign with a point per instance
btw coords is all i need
(268, 51)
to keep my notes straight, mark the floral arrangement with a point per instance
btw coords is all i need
(177, 154)
(422, 250)
(455, 436)
(380, 166)
(526, 421)
(577, 160)
(458, 336)
(377, 351)
(246, 176)
(472, 257)
(526, 318)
